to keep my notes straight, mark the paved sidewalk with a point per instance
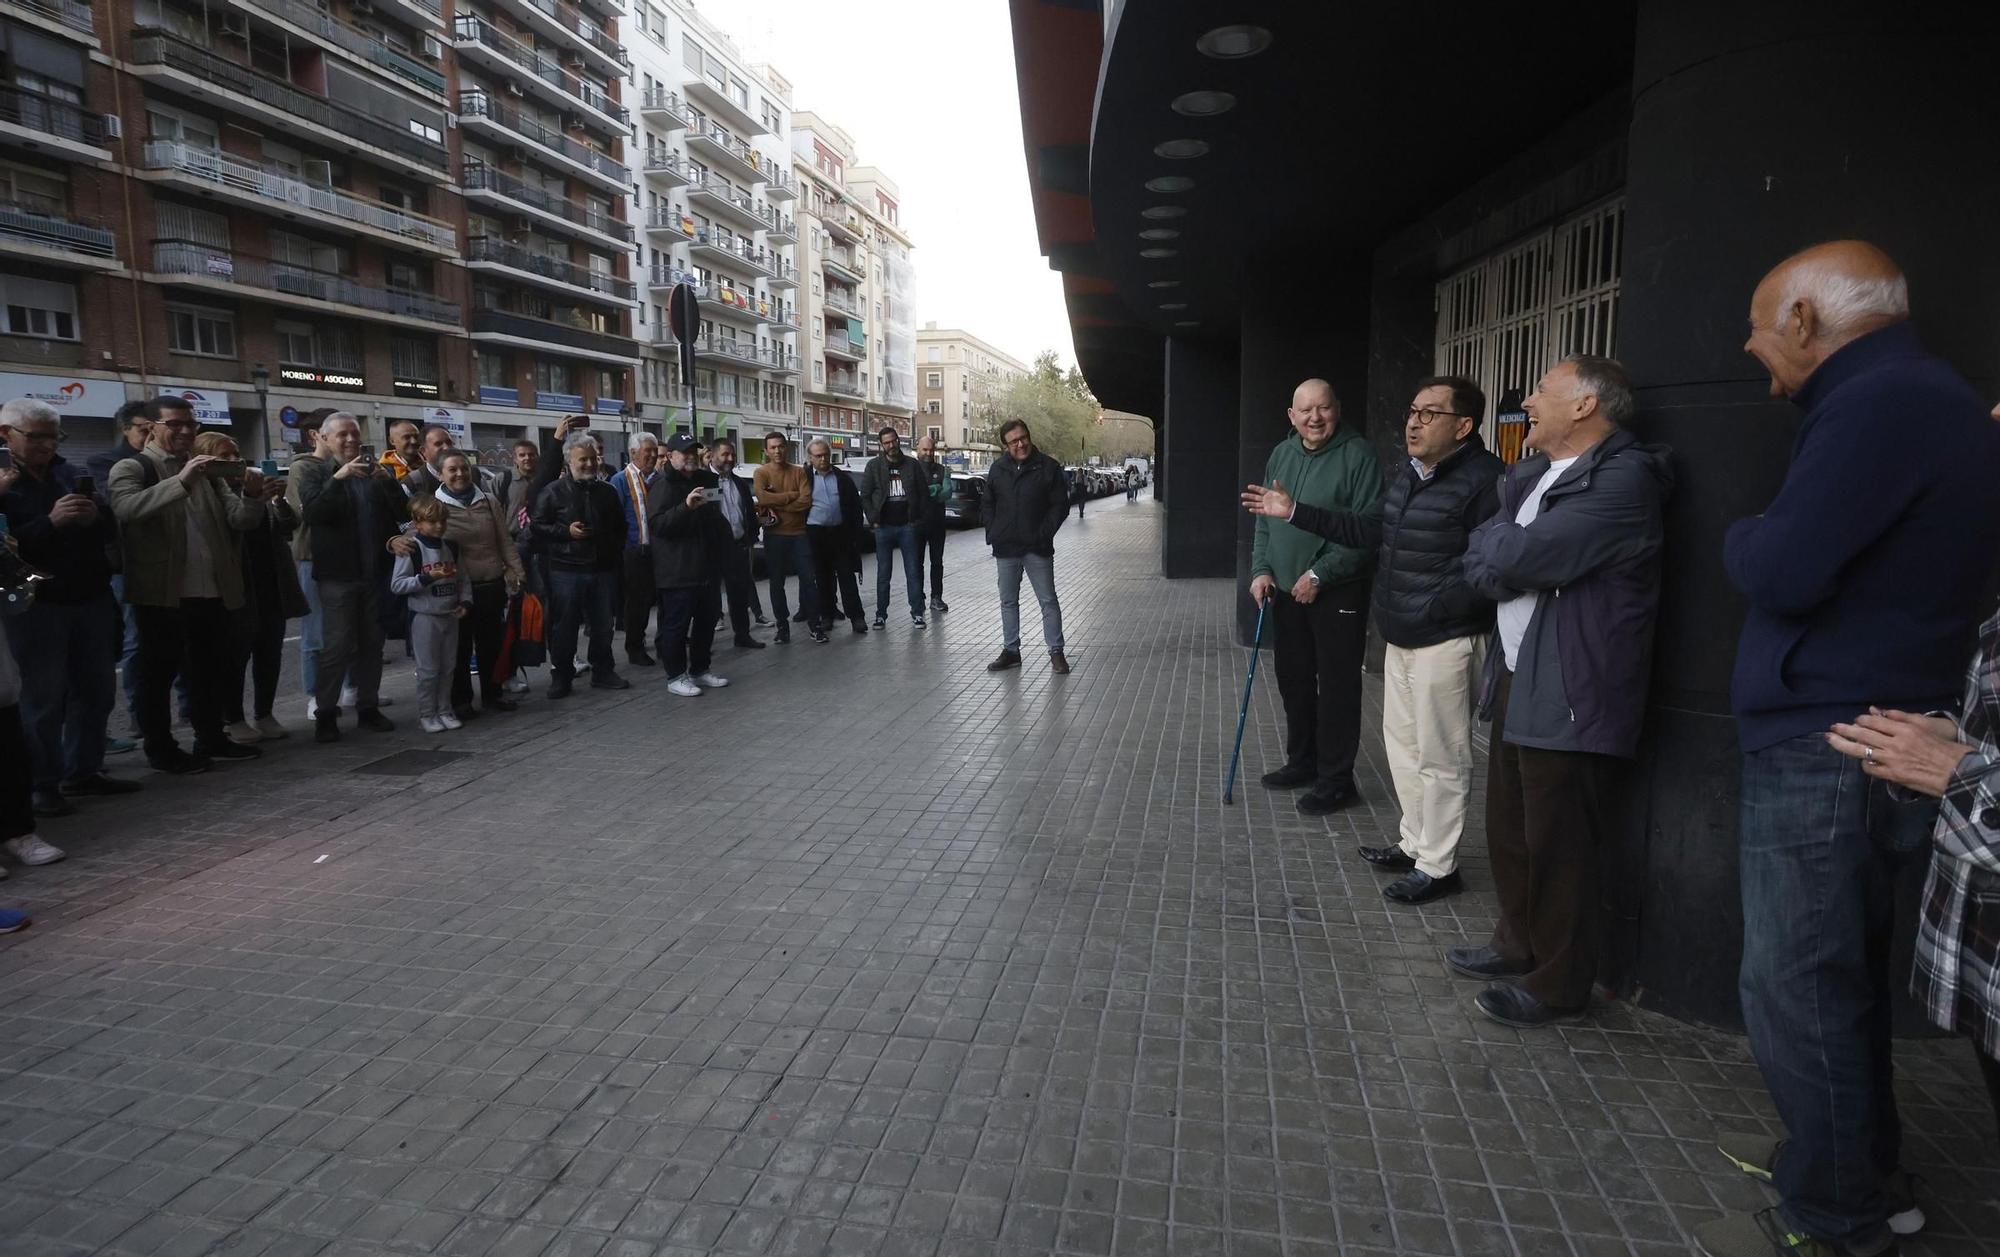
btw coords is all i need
(872, 953)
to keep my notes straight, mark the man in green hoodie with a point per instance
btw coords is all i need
(1319, 597)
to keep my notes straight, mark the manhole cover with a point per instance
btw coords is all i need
(410, 763)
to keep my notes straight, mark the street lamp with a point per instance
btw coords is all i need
(260, 379)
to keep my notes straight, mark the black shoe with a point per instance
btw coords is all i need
(51, 803)
(326, 728)
(1325, 800)
(1059, 663)
(916, 621)
(560, 687)
(1008, 659)
(372, 719)
(783, 636)
(748, 643)
(98, 784)
(758, 616)
(1417, 886)
(939, 605)
(1483, 962)
(819, 635)
(881, 621)
(1394, 858)
(179, 763)
(640, 659)
(609, 681)
(499, 702)
(1289, 777)
(1512, 1006)
(861, 626)
(228, 750)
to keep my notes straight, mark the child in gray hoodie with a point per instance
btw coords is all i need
(438, 599)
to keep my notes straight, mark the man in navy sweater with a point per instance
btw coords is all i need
(1864, 579)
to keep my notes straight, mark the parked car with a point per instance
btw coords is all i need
(966, 507)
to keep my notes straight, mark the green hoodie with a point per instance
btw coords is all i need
(1341, 475)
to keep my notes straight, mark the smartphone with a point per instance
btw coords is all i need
(269, 466)
(711, 493)
(231, 470)
(86, 485)
(368, 452)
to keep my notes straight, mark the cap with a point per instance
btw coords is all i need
(682, 441)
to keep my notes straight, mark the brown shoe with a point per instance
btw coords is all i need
(1058, 664)
(1008, 659)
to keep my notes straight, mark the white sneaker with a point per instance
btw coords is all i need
(347, 697)
(312, 709)
(29, 849)
(450, 721)
(430, 724)
(270, 728)
(710, 681)
(516, 684)
(684, 686)
(242, 732)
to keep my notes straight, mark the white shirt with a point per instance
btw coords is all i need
(1515, 613)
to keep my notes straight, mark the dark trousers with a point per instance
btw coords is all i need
(1317, 656)
(17, 810)
(640, 595)
(687, 627)
(739, 587)
(260, 657)
(834, 564)
(195, 639)
(931, 546)
(67, 655)
(481, 631)
(1991, 1068)
(1546, 814)
(577, 597)
(789, 556)
(1820, 846)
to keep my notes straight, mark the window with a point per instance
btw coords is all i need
(413, 358)
(933, 353)
(933, 407)
(933, 379)
(936, 433)
(493, 370)
(690, 54)
(295, 343)
(38, 307)
(185, 223)
(553, 377)
(819, 373)
(34, 190)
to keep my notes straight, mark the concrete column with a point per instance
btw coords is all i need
(1760, 127)
(1199, 442)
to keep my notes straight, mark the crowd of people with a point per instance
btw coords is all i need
(1527, 595)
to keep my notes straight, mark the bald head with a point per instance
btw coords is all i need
(1817, 301)
(1314, 412)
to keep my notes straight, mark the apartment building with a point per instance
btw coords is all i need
(714, 202)
(859, 348)
(275, 205)
(961, 381)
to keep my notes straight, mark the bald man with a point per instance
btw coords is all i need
(1864, 579)
(1318, 590)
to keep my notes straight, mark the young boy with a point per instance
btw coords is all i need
(438, 598)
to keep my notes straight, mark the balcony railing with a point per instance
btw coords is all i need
(69, 12)
(668, 218)
(576, 24)
(846, 348)
(773, 357)
(844, 269)
(23, 224)
(251, 179)
(842, 302)
(182, 257)
(717, 186)
(736, 246)
(157, 47)
(844, 385)
(471, 29)
(354, 40)
(64, 119)
(661, 100)
(477, 104)
(666, 275)
(551, 332)
(663, 160)
(724, 297)
(783, 274)
(483, 178)
(487, 249)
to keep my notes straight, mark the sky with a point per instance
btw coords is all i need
(926, 88)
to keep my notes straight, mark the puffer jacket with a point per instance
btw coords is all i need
(1027, 501)
(595, 503)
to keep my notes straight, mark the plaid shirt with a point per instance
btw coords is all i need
(1957, 974)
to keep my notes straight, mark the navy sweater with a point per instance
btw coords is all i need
(1866, 573)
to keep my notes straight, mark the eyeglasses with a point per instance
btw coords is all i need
(178, 425)
(1424, 418)
(55, 437)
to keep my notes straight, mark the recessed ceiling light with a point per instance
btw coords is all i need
(1232, 43)
(1164, 283)
(1159, 253)
(1169, 183)
(1173, 305)
(1203, 104)
(1181, 150)
(1163, 211)
(1188, 323)
(1159, 233)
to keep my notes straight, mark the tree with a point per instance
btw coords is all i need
(1062, 423)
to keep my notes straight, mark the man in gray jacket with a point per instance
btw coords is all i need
(1572, 558)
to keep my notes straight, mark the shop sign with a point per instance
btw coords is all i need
(93, 399)
(310, 378)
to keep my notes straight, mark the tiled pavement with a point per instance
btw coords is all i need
(873, 953)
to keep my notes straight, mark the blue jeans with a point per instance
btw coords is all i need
(1041, 572)
(573, 597)
(67, 655)
(1821, 844)
(889, 539)
(310, 640)
(788, 556)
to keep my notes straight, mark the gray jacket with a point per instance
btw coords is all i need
(428, 595)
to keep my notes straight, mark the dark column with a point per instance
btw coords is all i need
(1729, 173)
(1200, 442)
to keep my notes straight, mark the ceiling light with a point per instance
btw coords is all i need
(1169, 183)
(1159, 253)
(1173, 305)
(1181, 150)
(1163, 211)
(1164, 283)
(1159, 233)
(1203, 104)
(1188, 323)
(1233, 43)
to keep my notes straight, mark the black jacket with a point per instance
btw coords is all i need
(595, 504)
(1026, 503)
(77, 558)
(851, 515)
(99, 464)
(688, 541)
(1420, 527)
(345, 546)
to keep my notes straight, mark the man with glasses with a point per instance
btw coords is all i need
(784, 496)
(1027, 500)
(1436, 626)
(895, 491)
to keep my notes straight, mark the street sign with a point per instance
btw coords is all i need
(684, 320)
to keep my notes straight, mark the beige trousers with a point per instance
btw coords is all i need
(1427, 700)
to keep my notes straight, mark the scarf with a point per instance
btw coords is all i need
(444, 494)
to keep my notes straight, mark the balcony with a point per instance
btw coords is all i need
(840, 385)
(778, 185)
(726, 153)
(845, 349)
(845, 269)
(713, 98)
(840, 301)
(737, 251)
(665, 110)
(665, 277)
(509, 125)
(352, 40)
(672, 222)
(783, 274)
(245, 182)
(725, 301)
(846, 230)
(486, 44)
(167, 58)
(486, 184)
(714, 194)
(784, 231)
(506, 328)
(572, 30)
(666, 167)
(747, 352)
(56, 128)
(36, 233)
(186, 264)
(68, 18)
(486, 253)
(424, 15)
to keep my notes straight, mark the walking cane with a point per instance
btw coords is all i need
(1242, 717)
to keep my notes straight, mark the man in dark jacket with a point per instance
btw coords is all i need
(931, 545)
(351, 511)
(691, 540)
(833, 531)
(1573, 560)
(738, 507)
(580, 525)
(133, 430)
(895, 491)
(1027, 500)
(1865, 578)
(1435, 625)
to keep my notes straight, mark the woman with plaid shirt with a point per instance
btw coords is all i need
(1957, 762)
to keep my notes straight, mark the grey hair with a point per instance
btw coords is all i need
(575, 439)
(336, 417)
(1843, 303)
(22, 409)
(823, 444)
(1604, 379)
(639, 441)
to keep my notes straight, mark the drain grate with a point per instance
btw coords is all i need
(410, 763)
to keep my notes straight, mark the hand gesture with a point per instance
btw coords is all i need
(194, 470)
(1261, 587)
(579, 530)
(253, 483)
(1274, 501)
(1304, 591)
(1920, 752)
(73, 510)
(360, 466)
(458, 612)
(570, 423)
(695, 499)
(402, 543)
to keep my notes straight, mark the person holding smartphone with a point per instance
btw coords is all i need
(580, 525)
(690, 540)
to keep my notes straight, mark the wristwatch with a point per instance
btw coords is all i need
(1313, 577)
